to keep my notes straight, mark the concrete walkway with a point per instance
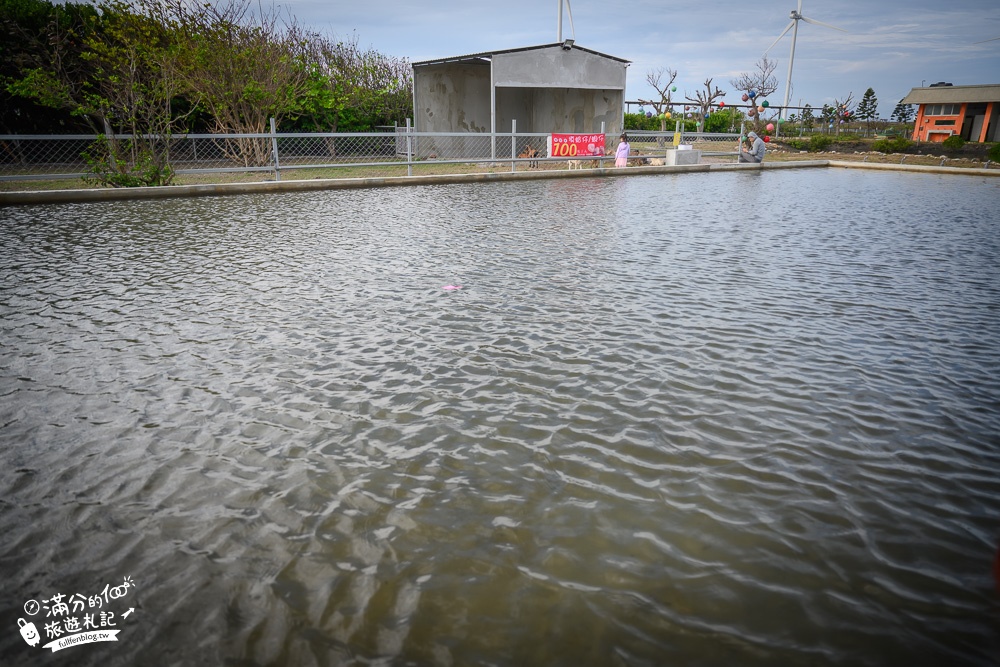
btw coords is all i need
(116, 194)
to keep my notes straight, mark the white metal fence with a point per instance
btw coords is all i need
(342, 155)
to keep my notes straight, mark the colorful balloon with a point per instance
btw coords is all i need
(765, 104)
(770, 127)
(673, 89)
(722, 104)
(760, 109)
(752, 94)
(767, 140)
(745, 97)
(649, 114)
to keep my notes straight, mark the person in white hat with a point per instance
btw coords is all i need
(757, 149)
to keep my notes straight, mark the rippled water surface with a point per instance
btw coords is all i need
(727, 419)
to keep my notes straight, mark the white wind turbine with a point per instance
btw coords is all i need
(796, 16)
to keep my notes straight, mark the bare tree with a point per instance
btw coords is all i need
(655, 78)
(843, 110)
(762, 82)
(705, 100)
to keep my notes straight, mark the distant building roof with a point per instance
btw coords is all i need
(953, 94)
(486, 56)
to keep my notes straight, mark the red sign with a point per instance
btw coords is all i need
(576, 145)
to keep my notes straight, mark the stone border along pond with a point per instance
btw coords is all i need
(222, 189)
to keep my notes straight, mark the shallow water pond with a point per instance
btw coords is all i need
(727, 419)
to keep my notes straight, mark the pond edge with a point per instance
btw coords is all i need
(226, 189)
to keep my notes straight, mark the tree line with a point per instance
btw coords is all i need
(154, 68)
(755, 86)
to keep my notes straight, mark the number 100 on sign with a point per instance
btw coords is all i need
(573, 145)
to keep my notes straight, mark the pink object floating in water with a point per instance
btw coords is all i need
(449, 287)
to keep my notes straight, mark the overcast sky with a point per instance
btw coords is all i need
(890, 45)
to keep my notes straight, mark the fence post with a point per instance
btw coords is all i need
(409, 149)
(604, 132)
(739, 148)
(677, 134)
(513, 145)
(274, 150)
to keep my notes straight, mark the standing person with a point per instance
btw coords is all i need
(757, 149)
(621, 155)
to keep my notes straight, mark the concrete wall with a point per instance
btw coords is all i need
(451, 97)
(555, 67)
(559, 109)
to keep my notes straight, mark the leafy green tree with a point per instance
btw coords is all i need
(828, 115)
(136, 78)
(868, 109)
(41, 69)
(352, 89)
(112, 66)
(808, 120)
(903, 113)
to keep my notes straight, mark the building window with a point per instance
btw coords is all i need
(942, 109)
(945, 122)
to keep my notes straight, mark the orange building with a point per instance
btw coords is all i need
(972, 112)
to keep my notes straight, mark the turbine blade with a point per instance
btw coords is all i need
(825, 25)
(569, 11)
(799, 10)
(987, 40)
(783, 32)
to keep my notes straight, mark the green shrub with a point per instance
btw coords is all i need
(638, 121)
(894, 145)
(953, 143)
(993, 154)
(125, 165)
(797, 144)
(819, 142)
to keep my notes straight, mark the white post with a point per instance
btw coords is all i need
(409, 149)
(513, 145)
(601, 161)
(274, 150)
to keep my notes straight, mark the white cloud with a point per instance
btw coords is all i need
(890, 46)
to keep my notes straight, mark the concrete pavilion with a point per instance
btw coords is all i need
(558, 87)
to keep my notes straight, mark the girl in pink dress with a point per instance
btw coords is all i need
(621, 155)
